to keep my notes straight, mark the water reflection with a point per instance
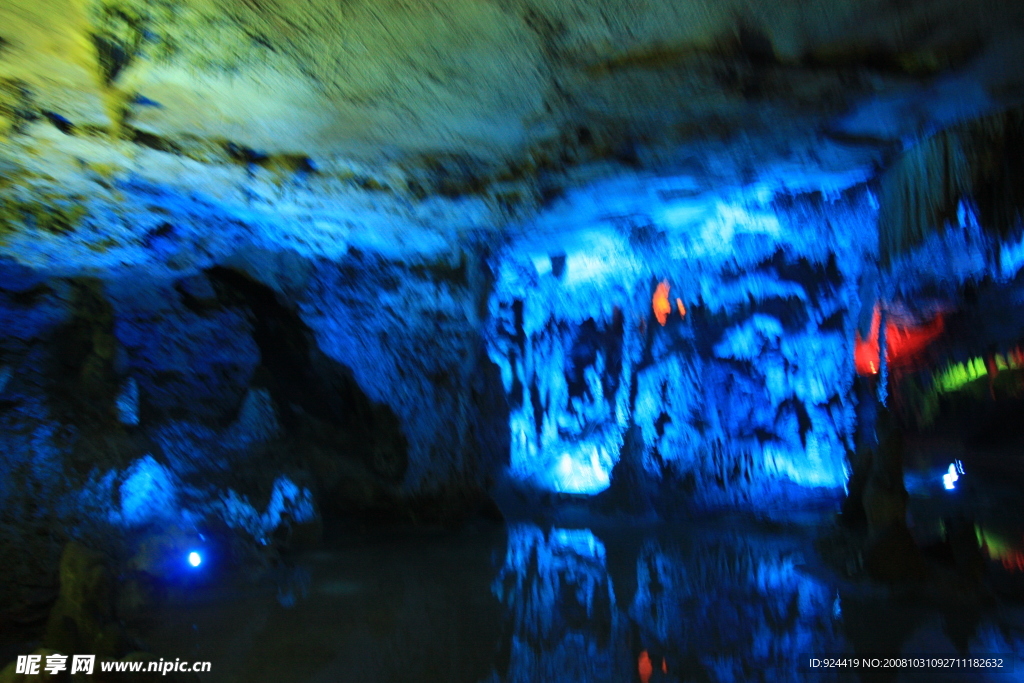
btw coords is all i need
(560, 606)
(668, 607)
(526, 603)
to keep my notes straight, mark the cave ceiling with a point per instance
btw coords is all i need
(490, 107)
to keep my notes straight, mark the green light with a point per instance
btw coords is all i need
(956, 376)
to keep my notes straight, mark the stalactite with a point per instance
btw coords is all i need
(920, 193)
(883, 362)
(979, 162)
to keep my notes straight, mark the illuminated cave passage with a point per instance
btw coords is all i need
(511, 341)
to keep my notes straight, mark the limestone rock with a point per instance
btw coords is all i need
(82, 618)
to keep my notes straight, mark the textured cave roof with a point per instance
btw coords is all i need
(470, 97)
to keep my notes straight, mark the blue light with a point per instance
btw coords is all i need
(195, 559)
(148, 492)
(585, 473)
(950, 477)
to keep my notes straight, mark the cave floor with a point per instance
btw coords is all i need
(720, 600)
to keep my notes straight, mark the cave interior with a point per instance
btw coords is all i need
(499, 341)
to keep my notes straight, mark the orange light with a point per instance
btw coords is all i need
(643, 665)
(664, 666)
(660, 302)
(681, 307)
(902, 343)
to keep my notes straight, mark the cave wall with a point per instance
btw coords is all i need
(749, 388)
(410, 332)
(249, 399)
(143, 144)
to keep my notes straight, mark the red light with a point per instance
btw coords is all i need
(903, 344)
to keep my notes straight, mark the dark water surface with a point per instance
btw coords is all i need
(728, 600)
